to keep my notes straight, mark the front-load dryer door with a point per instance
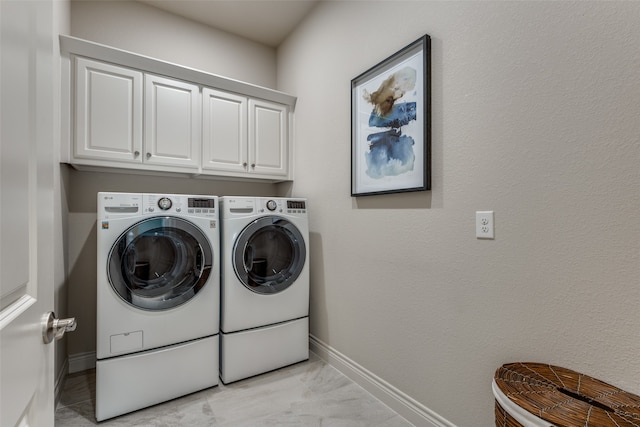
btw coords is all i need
(160, 263)
(269, 255)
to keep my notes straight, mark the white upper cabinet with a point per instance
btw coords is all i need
(108, 112)
(171, 122)
(121, 110)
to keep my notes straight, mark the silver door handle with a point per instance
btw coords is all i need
(53, 328)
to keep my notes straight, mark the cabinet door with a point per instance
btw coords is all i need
(108, 112)
(224, 131)
(268, 138)
(172, 122)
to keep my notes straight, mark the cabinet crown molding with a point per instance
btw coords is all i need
(75, 46)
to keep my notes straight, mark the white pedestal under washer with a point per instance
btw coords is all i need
(264, 321)
(158, 299)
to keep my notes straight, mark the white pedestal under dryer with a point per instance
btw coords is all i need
(264, 323)
(158, 299)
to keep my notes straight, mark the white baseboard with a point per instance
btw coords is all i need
(412, 410)
(82, 361)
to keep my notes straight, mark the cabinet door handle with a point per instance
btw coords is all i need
(244, 164)
(148, 155)
(253, 165)
(136, 153)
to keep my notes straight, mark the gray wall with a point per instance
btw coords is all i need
(535, 116)
(143, 29)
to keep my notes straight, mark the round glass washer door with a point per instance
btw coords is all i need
(160, 263)
(269, 255)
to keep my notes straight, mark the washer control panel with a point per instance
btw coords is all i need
(182, 204)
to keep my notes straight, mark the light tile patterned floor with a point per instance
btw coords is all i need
(310, 393)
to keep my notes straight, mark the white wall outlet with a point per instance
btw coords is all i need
(484, 225)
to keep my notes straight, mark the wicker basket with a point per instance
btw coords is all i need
(560, 397)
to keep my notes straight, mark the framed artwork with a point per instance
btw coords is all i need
(391, 123)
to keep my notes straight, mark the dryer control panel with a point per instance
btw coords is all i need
(282, 205)
(180, 204)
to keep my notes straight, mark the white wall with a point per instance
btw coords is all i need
(535, 116)
(143, 29)
(146, 30)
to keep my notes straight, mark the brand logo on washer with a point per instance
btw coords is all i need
(105, 225)
(212, 224)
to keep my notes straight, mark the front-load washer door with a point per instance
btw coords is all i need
(160, 263)
(269, 255)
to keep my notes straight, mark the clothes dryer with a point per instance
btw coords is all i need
(158, 301)
(264, 285)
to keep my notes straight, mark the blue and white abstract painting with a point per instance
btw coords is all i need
(389, 128)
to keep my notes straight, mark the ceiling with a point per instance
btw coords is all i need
(265, 21)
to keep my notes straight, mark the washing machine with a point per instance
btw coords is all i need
(158, 299)
(264, 323)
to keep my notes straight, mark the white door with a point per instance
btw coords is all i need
(26, 212)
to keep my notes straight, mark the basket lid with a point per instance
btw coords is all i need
(567, 398)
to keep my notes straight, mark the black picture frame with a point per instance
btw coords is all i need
(391, 123)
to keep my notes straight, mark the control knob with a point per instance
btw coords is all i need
(164, 203)
(271, 205)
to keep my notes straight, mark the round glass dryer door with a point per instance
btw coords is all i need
(269, 255)
(160, 263)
